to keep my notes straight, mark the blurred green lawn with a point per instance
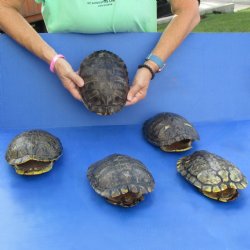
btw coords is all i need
(228, 22)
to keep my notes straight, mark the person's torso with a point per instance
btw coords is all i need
(98, 16)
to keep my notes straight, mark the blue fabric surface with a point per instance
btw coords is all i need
(59, 210)
(206, 81)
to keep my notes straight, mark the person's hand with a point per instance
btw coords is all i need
(70, 79)
(140, 85)
(139, 88)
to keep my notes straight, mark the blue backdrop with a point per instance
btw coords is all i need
(206, 81)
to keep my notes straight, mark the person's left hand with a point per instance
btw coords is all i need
(140, 85)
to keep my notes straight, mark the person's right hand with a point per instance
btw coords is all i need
(69, 78)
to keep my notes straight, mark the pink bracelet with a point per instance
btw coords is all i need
(53, 62)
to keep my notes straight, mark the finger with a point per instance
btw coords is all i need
(75, 78)
(76, 94)
(139, 96)
(70, 86)
(133, 91)
(133, 101)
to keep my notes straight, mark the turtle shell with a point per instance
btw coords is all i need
(33, 146)
(121, 179)
(170, 131)
(106, 83)
(212, 174)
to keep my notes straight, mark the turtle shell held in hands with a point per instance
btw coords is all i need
(106, 83)
(170, 132)
(121, 179)
(33, 152)
(214, 176)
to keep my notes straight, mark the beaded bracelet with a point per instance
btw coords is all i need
(149, 68)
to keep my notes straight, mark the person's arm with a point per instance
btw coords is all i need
(186, 18)
(13, 24)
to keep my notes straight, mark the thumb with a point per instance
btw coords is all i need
(133, 91)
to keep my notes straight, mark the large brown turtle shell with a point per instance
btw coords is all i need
(214, 176)
(106, 82)
(37, 145)
(166, 129)
(121, 179)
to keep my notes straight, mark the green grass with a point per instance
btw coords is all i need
(229, 22)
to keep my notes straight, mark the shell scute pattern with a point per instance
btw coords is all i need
(117, 175)
(106, 82)
(33, 145)
(118, 171)
(211, 172)
(209, 176)
(167, 128)
(224, 175)
(235, 175)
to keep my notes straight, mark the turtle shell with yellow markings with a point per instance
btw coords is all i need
(169, 131)
(214, 176)
(33, 152)
(121, 179)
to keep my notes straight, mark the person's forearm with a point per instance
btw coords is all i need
(13, 24)
(181, 25)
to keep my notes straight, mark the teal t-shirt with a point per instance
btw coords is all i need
(99, 16)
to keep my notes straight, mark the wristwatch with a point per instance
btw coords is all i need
(157, 60)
